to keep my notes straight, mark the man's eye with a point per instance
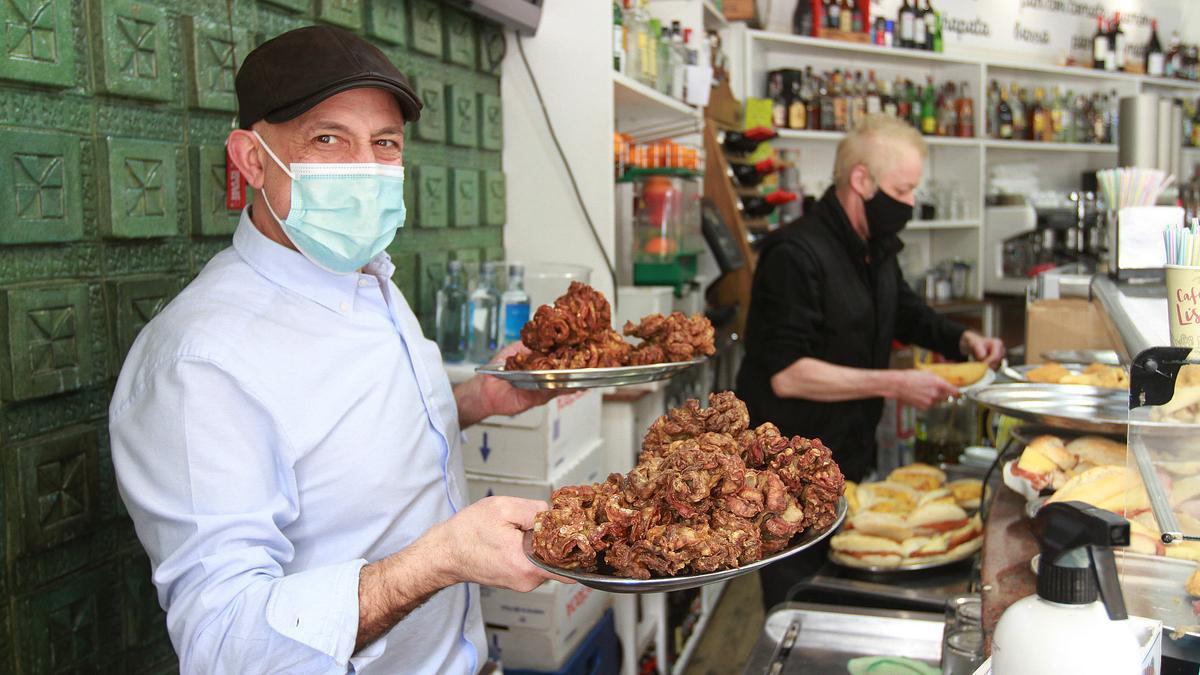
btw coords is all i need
(324, 139)
(387, 143)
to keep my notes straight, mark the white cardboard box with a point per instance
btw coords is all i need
(548, 623)
(589, 467)
(536, 443)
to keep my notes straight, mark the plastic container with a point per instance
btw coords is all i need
(598, 654)
(545, 281)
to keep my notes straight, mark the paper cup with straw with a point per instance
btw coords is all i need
(1183, 303)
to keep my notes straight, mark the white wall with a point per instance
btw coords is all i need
(571, 58)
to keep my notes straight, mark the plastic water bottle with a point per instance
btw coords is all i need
(450, 320)
(514, 304)
(484, 332)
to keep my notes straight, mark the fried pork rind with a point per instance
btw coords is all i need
(576, 332)
(707, 494)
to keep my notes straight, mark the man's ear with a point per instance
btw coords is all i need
(243, 150)
(861, 182)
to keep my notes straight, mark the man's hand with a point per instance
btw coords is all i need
(922, 389)
(988, 350)
(483, 544)
(483, 395)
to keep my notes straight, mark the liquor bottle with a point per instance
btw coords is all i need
(802, 18)
(759, 206)
(1174, 56)
(1155, 58)
(483, 334)
(1099, 45)
(904, 100)
(918, 39)
(450, 317)
(906, 20)
(1082, 117)
(775, 93)
(858, 101)
(742, 142)
(993, 105)
(935, 29)
(1056, 115)
(618, 44)
(812, 102)
(797, 117)
(678, 59)
(914, 111)
(888, 99)
(947, 113)
(930, 18)
(1037, 116)
(1110, 56)
(663, 80)
(856, 18)
(833, 15)
(966, 112)
(828, 123)
(514, 304)
(1016, 103)
(929, 109)
(1099, 115)
(749, 175)
(879, 32)
(874, 100)
(845, 17)
(1004, 120)
(650, 53)
(838, 96)
(1118, 41)
(1067, 130)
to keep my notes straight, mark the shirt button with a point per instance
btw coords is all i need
(345, 307)
(362, 282)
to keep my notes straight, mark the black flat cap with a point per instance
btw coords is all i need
(289, 74)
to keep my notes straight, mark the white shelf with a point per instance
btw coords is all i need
(835, 136)
(1170, 82)
(968, 224)
(638, 107)
(713, 18)
(1039, 146)
(889, 54)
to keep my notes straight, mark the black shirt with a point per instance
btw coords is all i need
(815, 295)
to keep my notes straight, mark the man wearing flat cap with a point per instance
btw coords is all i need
(284, 437)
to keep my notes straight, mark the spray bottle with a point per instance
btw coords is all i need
(1064, 628)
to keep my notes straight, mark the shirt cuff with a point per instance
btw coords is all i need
(319, 608)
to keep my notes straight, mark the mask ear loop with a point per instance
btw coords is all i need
(266, 200)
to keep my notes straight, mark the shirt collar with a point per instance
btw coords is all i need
(288, 268)
(839, 223)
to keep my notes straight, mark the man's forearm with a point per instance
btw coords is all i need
(818, 380)
(466, 400)
(389, 589)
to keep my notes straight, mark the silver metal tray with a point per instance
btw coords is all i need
(1066, 406)
(1021, 373)
(907, 567)
(615, 584)
(587, 378)
(802, 638)
(1106, 356)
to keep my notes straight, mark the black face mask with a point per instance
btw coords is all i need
(886, 216)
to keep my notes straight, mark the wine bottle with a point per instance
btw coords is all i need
(740, 142)
(1118, 41)
(906, 20)
(749, 175)
(1099, 45)
(802, 18)
(757, 206)
(1155, 58)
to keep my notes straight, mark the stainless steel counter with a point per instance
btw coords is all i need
(1138, 311)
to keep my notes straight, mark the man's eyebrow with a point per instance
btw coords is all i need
(326, 125)
(390, 130)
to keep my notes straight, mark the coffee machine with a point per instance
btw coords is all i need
(1025, 239)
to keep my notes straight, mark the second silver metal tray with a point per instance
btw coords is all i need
(615, 584)
(587, 378)
(1064, 406)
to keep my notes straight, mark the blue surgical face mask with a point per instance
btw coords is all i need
(342, 215)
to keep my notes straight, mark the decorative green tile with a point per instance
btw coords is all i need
(432, 265)
(410, 198)
(133, 45)
(460, 39)
(72, 626)
(210, 218)
(47, 341)
(406, 272)
(57, 485)
(141, 189)
(433, 199)
(491, 122)
(469, 257)
(464, 119)
(491, 253)
(39, 188)
(142, 620)
(432, 125)
(344, 13)
(494, 204)
(491, 48)
(426, 26)
(387, 20)
(38, 42)
(293, 5)
(464, 185)
(130, 304)
(213, 54)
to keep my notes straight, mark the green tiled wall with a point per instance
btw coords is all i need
(113, 115)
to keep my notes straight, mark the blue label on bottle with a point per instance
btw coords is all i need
(515, 318)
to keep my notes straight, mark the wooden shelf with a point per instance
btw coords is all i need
(641, 108)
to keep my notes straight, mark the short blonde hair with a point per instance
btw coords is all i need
(868, 144)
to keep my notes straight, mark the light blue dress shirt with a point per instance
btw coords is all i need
(274, 429)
